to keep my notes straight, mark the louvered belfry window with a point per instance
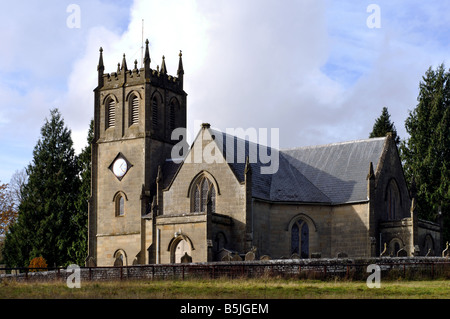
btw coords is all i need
(134, 110)
(111, 114)
(155, 112)
(172, 116)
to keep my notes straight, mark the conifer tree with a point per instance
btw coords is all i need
(426, 153)
(45, 225)
(383, 126)
(78, 249)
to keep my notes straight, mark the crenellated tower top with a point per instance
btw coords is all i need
(124, 76)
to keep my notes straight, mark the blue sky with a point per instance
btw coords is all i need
(311, 68)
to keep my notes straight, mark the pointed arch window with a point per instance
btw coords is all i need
(134, 110)
(110, 113)
(300, 239)
(204, 196)
(120, 205)
(393, 202)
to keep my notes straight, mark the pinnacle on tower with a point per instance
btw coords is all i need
(163, 66)
(100, 61)
(180, 71)
(124, 63)
(100, 68)
(147, 54)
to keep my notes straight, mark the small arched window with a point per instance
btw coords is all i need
(300, 239)
(204, 196)
(134, 110)
(120, 205)
(110, 113)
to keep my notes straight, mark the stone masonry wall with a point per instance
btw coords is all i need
(300, 268)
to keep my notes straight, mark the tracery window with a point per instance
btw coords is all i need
(204, 196)
(300, 239)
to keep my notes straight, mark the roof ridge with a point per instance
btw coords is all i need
(333, 144)
(241, 139)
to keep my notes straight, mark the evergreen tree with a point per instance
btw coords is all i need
(45, 226)
(426, 153)
(383, 125)
(78, 249)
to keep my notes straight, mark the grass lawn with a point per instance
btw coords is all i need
(228, 289)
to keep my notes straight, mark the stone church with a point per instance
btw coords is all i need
(148, 206)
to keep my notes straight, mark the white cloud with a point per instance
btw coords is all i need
(311, 68)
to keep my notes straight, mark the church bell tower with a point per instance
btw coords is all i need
(135, 112)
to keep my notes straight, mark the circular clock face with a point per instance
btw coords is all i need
(120, 167)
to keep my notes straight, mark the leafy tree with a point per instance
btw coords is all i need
(45, 226)
(16, 184)
(383, 125)
(426, 153)
(37, 262)
(8, 213)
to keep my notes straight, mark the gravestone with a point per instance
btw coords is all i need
(402, 253)
(90, 262)
(251, 255)
(185, 259)
(226, 257)
(236, 257)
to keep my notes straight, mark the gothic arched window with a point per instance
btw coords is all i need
(300, 238)
(204, 196)
(393, 202)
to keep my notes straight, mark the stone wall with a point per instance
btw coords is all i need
(332, 229)
(301, 268)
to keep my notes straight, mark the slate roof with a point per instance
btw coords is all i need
(339, 170)
(329, 174)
